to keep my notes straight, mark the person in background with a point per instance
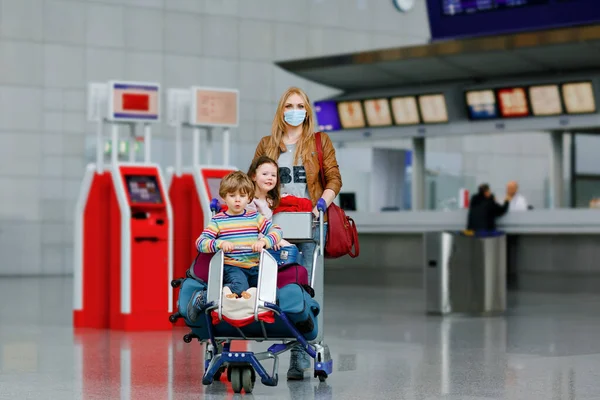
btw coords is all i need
(518, 201)
(483, 209)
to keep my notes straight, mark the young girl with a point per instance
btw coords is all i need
(264, 173)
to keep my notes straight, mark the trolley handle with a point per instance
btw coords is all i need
(242, 248)
(322, 208)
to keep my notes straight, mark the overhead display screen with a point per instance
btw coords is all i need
(513, 102)
(470, 18)
(454, 7)
(579, 97)
(129, 101)
(482, 104)
(433, 108)
(545, 100)
(351, 114)
(143, 189)
(378, 112)
(405, 110)
(327, 115)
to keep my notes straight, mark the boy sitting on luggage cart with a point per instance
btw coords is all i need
(236, 232)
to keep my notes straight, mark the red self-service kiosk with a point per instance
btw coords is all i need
(123, 221)
(140, 252)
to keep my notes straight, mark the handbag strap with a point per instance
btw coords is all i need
(320, 153)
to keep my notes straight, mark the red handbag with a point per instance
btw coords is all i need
(342, 236)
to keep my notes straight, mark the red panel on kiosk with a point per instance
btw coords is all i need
(143, 275)
(187, 224)
(95, 255)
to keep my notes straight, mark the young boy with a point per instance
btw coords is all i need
(232, 229)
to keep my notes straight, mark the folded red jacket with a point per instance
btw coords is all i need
(294, 204)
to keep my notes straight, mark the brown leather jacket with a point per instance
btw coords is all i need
(333, 179)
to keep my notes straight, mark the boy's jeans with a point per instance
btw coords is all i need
(239, 279)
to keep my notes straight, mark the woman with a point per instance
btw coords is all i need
(292, 144)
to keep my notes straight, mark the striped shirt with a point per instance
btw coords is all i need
(241, 230)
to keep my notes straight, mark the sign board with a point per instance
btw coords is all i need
(133, 102)
(214, 107)
(97, 96)
(178, 104)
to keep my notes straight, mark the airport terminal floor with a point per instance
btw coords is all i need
(382, 343)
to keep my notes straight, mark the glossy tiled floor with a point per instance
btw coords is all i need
(547, 347)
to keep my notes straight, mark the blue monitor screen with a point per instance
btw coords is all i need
(327, 115)
(471, 18)
(454, 7)
(481, 104)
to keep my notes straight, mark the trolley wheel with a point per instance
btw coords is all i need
(188, 338)
(322, 375)
(247, 381)
(176, 283)
(174, 317)
(236, 379)
(218, 374)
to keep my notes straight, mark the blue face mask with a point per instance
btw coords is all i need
(294, 117)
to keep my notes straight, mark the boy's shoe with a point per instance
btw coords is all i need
(195, 305)
(299, 362)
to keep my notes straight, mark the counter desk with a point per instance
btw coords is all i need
(563, 243)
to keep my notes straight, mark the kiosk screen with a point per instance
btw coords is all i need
(143, 189)
(213, 189)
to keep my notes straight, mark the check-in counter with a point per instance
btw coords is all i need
(561, 244)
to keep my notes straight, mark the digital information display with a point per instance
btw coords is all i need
(433, 108)
(482, 104)
(327, 115)
(143, 189)
(130, 101)
(451, 19)
(454, 7)
(214, 107)
(405, 110)
(351, 114)
(545, 100)
(579, 97)
(378, 112)
(513, 102)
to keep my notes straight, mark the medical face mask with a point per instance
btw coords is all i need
(294, 117)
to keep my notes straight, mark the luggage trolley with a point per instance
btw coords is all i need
(242, 366)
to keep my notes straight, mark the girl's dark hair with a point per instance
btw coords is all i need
(274, 194)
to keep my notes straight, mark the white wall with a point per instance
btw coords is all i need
(50, 49)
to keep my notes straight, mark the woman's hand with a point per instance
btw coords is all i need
(315, 212)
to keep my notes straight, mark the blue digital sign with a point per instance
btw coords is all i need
(327, 115)
(449, 19)
(481, 104)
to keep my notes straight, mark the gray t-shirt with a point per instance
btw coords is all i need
(292, 177)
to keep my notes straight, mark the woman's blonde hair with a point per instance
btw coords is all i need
(278, 128)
